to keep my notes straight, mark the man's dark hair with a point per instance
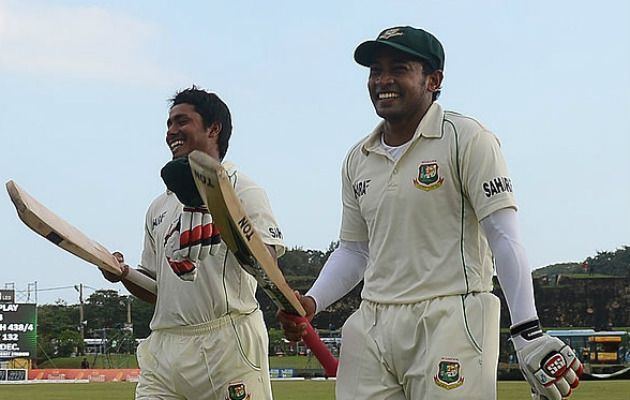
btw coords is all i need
(211, 108)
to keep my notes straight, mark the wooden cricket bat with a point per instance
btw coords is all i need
(239, 234)
(47, 224)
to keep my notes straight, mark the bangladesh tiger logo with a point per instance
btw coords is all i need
(428, 176)
(237, 391)
(449, 375)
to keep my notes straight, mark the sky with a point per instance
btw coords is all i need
(85, 88)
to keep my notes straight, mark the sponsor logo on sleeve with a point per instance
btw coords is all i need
(360, 187)
(500, 184)
(275, 232)
(158, 220)
(428, 176)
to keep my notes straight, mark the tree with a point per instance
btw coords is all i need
(52, 321)
(105, 309)
(69, 343)
(275, 340)
(141, 312)
(615, 263)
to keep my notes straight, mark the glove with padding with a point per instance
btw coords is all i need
(548, 364)
(178, 178)
(193, 238)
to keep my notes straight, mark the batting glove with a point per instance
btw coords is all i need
(191, 240)
(548, 364)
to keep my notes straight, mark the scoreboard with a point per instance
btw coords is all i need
(13, 375)
(18, 330)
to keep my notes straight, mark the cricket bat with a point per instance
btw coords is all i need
(47, 224)
(239, 234)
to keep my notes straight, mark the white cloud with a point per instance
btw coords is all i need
(79, 42)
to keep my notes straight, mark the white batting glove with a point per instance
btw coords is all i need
(191, 240)
(198, 235)
(548, 364)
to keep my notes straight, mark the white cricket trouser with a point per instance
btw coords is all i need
(225, 359)
(444, 348)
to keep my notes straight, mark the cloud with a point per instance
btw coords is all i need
(79, 42)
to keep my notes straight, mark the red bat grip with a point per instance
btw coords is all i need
(319, 349)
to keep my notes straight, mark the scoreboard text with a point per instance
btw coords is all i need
(18, 330)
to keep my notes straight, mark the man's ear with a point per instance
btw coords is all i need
(214, 129)
(434, 80)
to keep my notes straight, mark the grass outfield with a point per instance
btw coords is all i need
(287, 390)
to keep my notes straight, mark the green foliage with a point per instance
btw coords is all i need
(53, 321)
(615, 263)
(302, 266)
(69, 342)
(558, 269)
(275, 340)
(295, 362)
(46, 348)
(141, 312)
(605, 263)
(106, 315)
(96, 361)
(105, 309)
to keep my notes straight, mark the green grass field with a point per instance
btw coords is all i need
(285, 390)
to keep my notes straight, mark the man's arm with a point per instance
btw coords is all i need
(343, 270)
(134, 289)
(549, 365)
(502, 232)
(140, 292)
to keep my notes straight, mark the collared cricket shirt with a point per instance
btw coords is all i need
(421, 213)
(221, 285)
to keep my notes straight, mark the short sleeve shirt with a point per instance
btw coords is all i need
(221, 285)
(421, 213)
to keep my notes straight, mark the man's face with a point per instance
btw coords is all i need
(397, 85)
(185, 131)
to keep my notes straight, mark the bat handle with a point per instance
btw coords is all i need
(142, 280)
(319, 348)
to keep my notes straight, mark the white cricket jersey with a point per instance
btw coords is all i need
(421, 213)
(221, 285)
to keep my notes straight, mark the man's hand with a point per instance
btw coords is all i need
(138, 291)
(293, 331)
(549, 365)
(192, 239)
(125, 269)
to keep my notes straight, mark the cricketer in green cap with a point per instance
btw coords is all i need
(413, 41)
(425, 231)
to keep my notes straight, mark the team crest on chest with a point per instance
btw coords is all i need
(428, 176)
(449, 375)
(237, 391)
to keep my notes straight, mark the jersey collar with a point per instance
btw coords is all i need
(430, 127)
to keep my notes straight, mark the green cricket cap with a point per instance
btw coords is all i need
(413, 41)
